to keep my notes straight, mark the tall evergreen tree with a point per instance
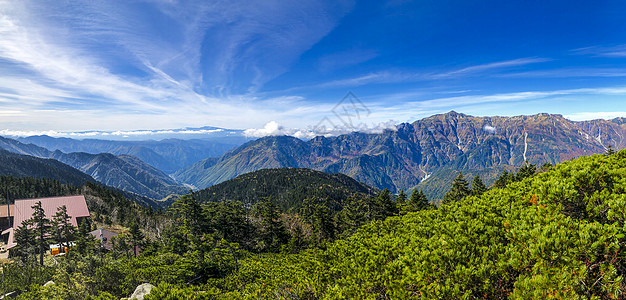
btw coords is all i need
(191, 227)
(137, 237)
(526, 171)
(502, 180)
(458, 191)
(24, 237)
(354, 214)
(41, 227)
(384, 206)
(229, 219)
(63, 230)
(609, 150)
(85, 242)
(316, 213)
(401, 199)
(272, 231)
(418, 201)
(478, 187)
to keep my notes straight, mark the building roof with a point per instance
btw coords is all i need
(23, 210)
(4, 210)
(76, 208)
(101, 234)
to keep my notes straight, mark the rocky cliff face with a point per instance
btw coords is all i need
(403, 158)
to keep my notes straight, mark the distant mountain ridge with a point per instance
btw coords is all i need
(125, 172)
(403, 158)
(288, 188)
(18, 165)
(167, 155)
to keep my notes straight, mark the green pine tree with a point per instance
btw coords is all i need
(502, 180)
(63, 230)
(42, 228)
(137, 238)
(478, 187)
(458, 191)
(272, 231)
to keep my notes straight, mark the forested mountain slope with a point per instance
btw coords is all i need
(287, 187)
(559, 234)
(167, 155)
(17, 165)
(403, 158)
(124, 172)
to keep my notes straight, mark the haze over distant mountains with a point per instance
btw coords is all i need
(125, 172)
(426, 154)
(167, 155)
(425, 151)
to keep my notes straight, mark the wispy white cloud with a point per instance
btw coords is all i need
(272, 128)
(105, 134)
(384, 77)
(104, 65)
(607, 115)
(568, 73)
(490, 66)
(345, 58)
(602, 51)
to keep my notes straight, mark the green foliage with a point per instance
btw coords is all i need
(29, 187)
(556, 234)
(459, 190)
(288, 187)
(272, 233)
(229, 220)
(522, 242)
(41, 229)
(478, 187)
(137, 238)
(63, 230)
(417, 202)
(317, 214)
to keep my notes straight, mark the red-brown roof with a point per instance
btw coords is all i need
(76, 208)
(3, 210)
(101, 234)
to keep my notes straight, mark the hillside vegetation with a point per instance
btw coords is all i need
(17, 165)
(288, 188)
(125, 172)
(556, 234)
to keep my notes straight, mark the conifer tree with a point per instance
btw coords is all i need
(478, 187)
(137, 237)
(384, 206)
(609, 150)
(63, 230)
(458, 191)
(527, 170)
(41, 226)
(317, 214)
(25, 240)
(85, 242)
(401, 199)
(418, 201)
(502, 180)
(272, 231)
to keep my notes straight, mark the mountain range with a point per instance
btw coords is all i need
(125, 172)
(18, 165)
(425, 152)
(168, 155)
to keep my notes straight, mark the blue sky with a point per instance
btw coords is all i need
(280, 66)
